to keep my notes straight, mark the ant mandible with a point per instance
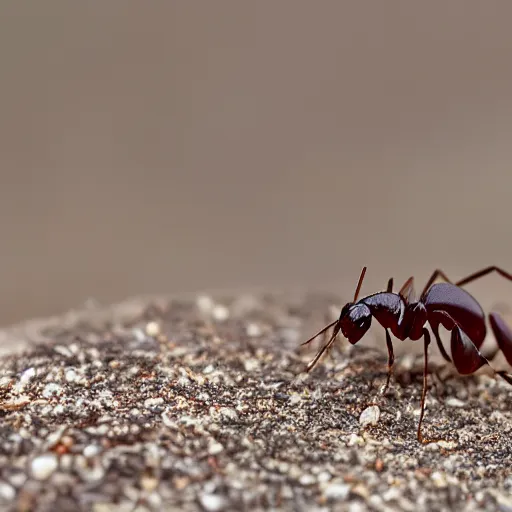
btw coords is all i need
(445, 304)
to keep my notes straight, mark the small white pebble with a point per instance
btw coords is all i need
(154, 500)
(479, 497)
(5, 382)
(357, 506)
(89, 472)
(294, 471)
(295, 398)
(91, 450)
(7, 492)
(228, 412)
(215, 448)
(370, 416)
(220, 313)
(71, 375)
(307, 479)
(44, 466)
(454, 402)
(205, 304)
(392, 494)
(251, 364)
(354, 440)
(497, 416)
(287, 492)
(376, 501)
(283, 467)
(63, 351)
(253, 330)
(167, 421)
(153, 329)
(139, 335)
(26, 376)
(324, 476)
(446, 445)
(52, 389)
(149, 483)
(102, 430)
(337, 491)
(18, 479)
(151, 402)
(439, 479)
(212, 502)
(184, 381)
(58, 409)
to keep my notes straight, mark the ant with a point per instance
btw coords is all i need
(445, 304)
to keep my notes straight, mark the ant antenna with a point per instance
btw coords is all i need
(359, 284)
(320, 332)
(358, 289)
(336, 325)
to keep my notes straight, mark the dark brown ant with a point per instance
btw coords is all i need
(445, 304)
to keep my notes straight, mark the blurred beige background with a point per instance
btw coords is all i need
(185, 146)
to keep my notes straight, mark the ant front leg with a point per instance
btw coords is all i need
(391, 360)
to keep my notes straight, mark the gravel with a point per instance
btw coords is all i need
(160, 404)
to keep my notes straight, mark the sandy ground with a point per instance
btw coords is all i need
(203, 405)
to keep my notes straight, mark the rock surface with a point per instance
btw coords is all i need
(203, 405)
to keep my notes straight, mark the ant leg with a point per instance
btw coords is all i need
(482, 273)
(407, 290)
(468, 359)
(435, 330)
(472, 277)
(426, 343)
(466, 356)
(391, 360)
(503, 335)
(437, 273)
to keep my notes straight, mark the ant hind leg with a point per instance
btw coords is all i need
(482, 273)
(435, 330)
(426, 343)
(503, 335)
(472, 277)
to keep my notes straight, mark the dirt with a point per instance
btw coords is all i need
(203, 404)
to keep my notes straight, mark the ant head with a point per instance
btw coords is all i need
(355, 320)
